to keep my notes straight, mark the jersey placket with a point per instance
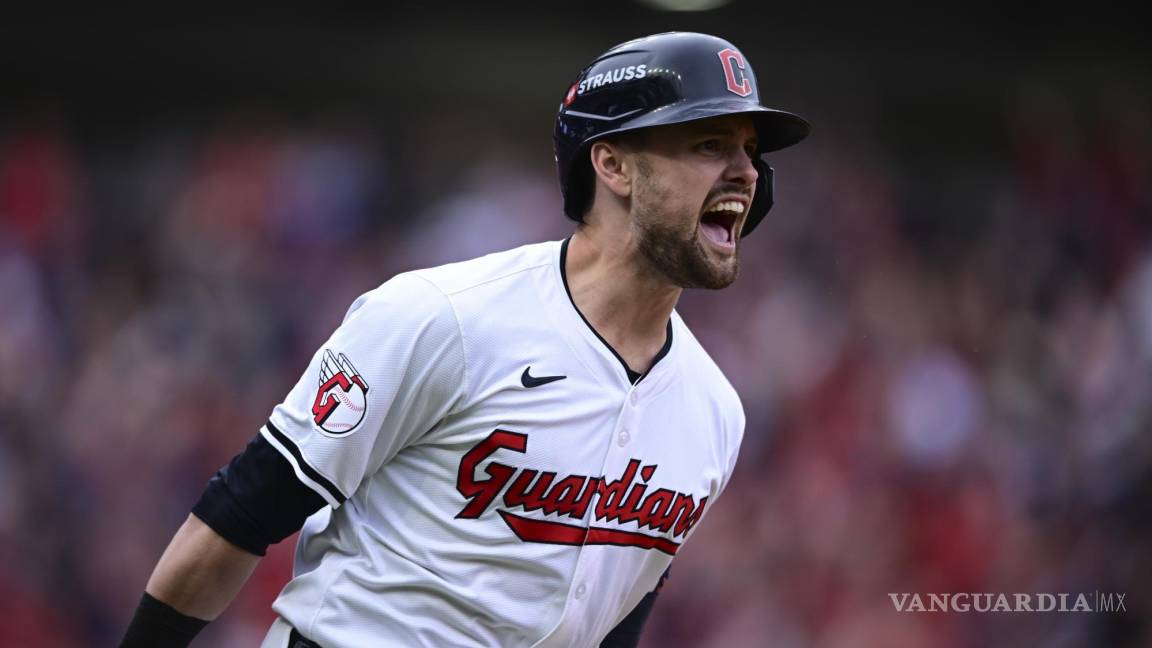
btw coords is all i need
(574, 626)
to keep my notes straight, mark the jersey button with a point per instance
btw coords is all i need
(581, 590)
(633, 398)
(624, 436)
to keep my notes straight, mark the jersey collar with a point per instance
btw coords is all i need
(632, 377)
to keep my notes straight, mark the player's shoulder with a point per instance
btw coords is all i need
(710, 389)
(418, 298)
(699, 364)
(453, 278)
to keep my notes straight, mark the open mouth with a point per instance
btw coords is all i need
(718, 223)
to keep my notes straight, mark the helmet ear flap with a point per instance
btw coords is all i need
(578, 187)
(763, 197)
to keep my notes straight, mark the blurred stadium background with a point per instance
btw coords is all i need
(942, 334)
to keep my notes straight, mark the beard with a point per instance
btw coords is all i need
(671, 244)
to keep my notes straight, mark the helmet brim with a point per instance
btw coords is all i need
(776, 129)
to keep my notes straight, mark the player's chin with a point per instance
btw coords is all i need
(726, 272)
(717, 269)
(718, 279)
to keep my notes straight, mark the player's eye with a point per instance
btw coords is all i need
(710, 146)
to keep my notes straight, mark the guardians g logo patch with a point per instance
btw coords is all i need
(342, 397)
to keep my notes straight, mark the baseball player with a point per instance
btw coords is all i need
(509, 451)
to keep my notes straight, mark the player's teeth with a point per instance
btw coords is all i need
(729, 205)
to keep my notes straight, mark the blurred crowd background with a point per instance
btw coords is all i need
(942, 334)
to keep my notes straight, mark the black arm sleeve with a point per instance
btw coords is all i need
(158, 625)
(256, 500)
(626, 634)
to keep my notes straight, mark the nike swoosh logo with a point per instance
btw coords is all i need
(530, 381)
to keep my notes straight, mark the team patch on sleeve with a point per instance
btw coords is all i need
(342, 397)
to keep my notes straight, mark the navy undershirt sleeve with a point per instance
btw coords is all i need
(626, 634)
(256, 500)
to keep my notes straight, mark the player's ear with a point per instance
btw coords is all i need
(613, 166)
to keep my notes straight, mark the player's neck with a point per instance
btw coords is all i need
(628, 307)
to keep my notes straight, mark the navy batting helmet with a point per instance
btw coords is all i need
(667, 78)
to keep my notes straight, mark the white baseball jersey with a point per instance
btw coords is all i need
(494, 477)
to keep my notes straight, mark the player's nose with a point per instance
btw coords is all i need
(741, 170)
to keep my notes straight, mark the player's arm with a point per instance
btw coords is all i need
(200, 572)
(626, 634)
(251, 503)
(406, 338)
(197, 577)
